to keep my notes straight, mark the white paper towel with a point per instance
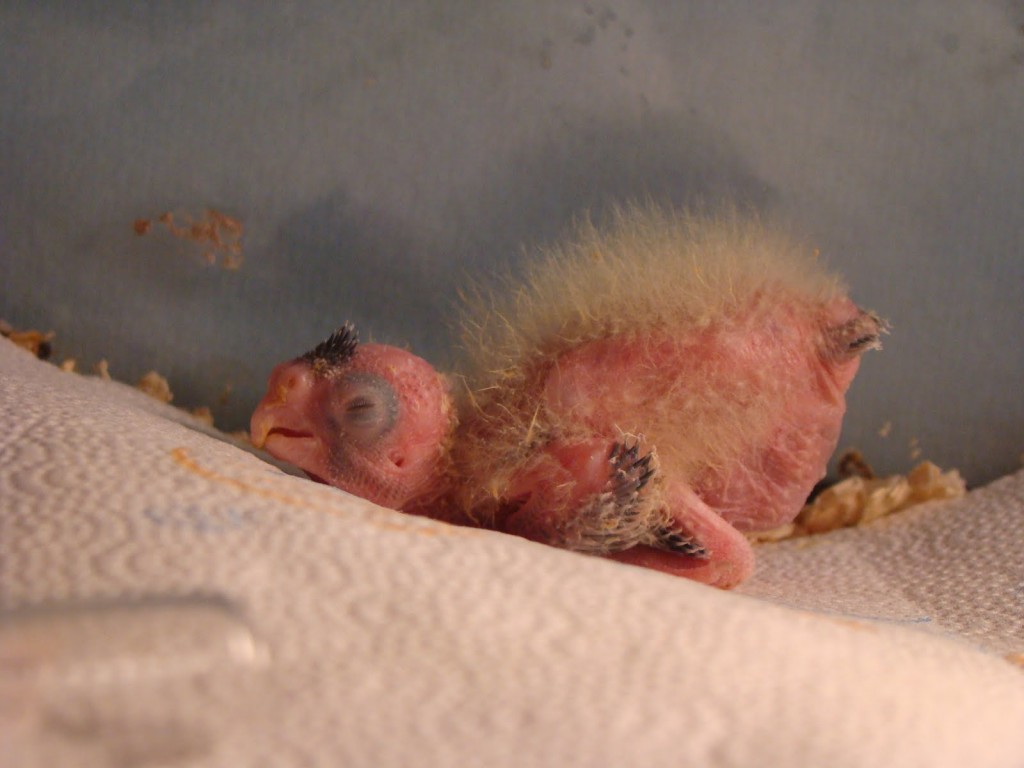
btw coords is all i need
(171, 599)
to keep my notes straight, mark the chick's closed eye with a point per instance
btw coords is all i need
(365, 407)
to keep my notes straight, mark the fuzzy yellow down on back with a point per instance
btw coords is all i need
(649, 268)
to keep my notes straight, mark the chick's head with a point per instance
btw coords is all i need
(371, 419)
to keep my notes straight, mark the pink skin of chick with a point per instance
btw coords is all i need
(377, 421)
(650, 392)
(814, 352)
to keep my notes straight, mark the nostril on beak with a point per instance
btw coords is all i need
(285, 384)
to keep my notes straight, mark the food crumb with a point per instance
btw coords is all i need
(858, 500)
(36, 342)
(853, 464)
(152, 383)
(915, 449)
(885, 429)
(787, 531)
(203, 414)
(156, 386)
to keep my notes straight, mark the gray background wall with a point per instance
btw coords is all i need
(379, 152)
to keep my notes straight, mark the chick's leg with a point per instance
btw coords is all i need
(725, 557)
(603, 497)
(587, 496)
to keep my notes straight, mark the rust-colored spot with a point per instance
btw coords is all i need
(857, 625)
(184, 459)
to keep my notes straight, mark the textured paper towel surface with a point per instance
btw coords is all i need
(170, 599)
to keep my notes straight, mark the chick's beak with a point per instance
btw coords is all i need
(261, 423)
(283, 409)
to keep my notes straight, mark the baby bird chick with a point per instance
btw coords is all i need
(652, 391)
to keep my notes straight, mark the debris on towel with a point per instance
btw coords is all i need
(152, 383)
(853, 464)
(861, 499)
(156, 386)
(651, 392)
(36, 342)
(203, 414)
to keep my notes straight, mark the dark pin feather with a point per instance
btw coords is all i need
(334, 351)
(676, 541)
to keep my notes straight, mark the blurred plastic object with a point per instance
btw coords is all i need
(140, 682)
